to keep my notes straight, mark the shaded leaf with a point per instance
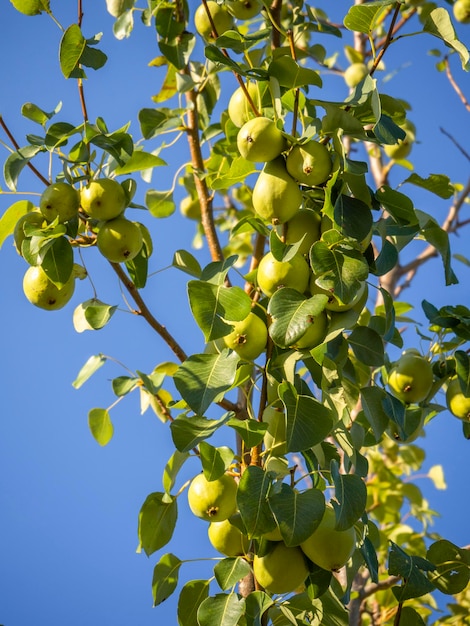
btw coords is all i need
(221, 609)
(252, 493)
(165, 577)
(229, 571)
(191, 597)
(188, 432)
(297, 513)
(350, 497)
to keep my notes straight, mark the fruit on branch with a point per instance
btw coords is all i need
(282, 570)
(310, 163)
(227, 538)
(34, 218)
(461, 10)
(248, 337)
(411, 378)
(402, 149)
(239, 109)
(327, 547)
(190, 208)
(244, 9)
(355, 73)
(276, 196)
(275, 436)
(43, 293)
(215, 500)
(119, 240)
(222, 19)
(31, 7)
(59, 200)
(334, 304)
(412, 426)
(305, 223)
(273, 274)
(315, 333)
(103, 199)
(457, 402)
(260, 140)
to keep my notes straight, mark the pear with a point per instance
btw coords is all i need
(310, 163)
(276, 195)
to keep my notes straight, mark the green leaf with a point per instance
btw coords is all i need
(350, 497)
(91, 366)
(32, 8)
(160, 203)
(290, 74)
(411, 617)
(215, 461)
(32, 112)
(410, 569)
(250, 431)
(221, 609)
(340, 269)
(165, 577)
(212, 304)
(451, 572)
(99, 422)
(122, 385)
(173, 466)
(292, 314)
(124, 25)
(118, 7)
(15, 163)
(372, 399)
(11, 216)
(462, 369)
(439, 24)
(157, 520)
(297, 513)
(353, 217)
(139, 161)
(91, 57)
(363, 17)
(184, 261)
(435, 183)
(397, 204)
(138, 268)
(92, 315)
(231, 570)
(191, 597)
(256, 605)
(72, 46)
(57, 262)
(367, 346)
(188, 432)
(204, 378)
(308, 421)
(252, 493)
(439, 238)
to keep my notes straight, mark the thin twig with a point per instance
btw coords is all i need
(17, 147)
(455, 86)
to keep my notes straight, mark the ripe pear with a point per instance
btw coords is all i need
(315, 333)
(43, 293)
(103, 199)
(222, 19)
(304, 224)
(461, 10)
(282, 570)
(59, 200)
(239, 109)
(310, 163)
(119, 240)
(355, 73)
(327, 547)
(260, 140)
(228, 539)
(248, 337)
(402, 149)
(411, 378)
(244, 9)
(215, 500)
(276, 196)
(457, 402)
(273, 274)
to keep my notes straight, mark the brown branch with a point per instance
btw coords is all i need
(455, 86)
(388, 39)
(17, 147)
(357, 605)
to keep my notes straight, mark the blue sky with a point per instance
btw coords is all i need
(68, 523)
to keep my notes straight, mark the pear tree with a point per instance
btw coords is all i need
(304, 408)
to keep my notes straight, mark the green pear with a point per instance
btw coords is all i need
(59, 200)
(305, 225)
(310, 163)
(244, 9)
(461, 10)
(355, 73)
(276, 196)
(119, 240)
(221, 18)
(43, 293)
(260, 140)
(103, 199)
(273, 274)
(239, 109)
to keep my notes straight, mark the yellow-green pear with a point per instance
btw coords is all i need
(276, 196)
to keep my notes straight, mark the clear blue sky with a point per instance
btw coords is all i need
(68, 508)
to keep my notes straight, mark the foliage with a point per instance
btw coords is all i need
(344, 436)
